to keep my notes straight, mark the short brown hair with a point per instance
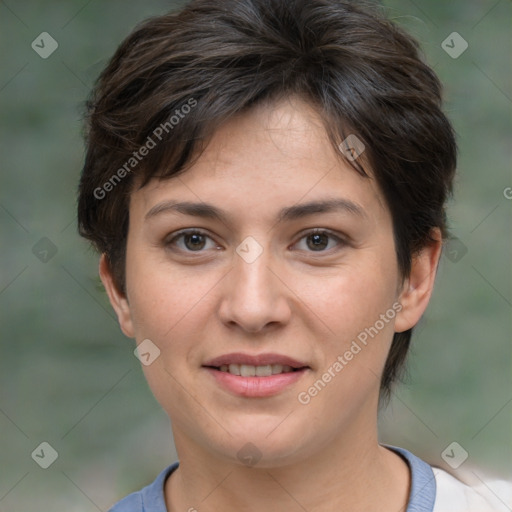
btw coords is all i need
(363, 74)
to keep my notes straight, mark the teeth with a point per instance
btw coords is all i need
(277, 368)
(248, 370)
(263, 371)
(234, 369)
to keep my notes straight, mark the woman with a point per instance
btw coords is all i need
(265, 181)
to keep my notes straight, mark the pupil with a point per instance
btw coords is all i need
(317, 241)
(197, 240)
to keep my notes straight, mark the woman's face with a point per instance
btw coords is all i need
(270, 278)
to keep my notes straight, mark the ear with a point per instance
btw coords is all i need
(117, 299)
(417, 288)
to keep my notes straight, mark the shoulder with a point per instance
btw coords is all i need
(455, 496)
(436, 490)
(149, 499)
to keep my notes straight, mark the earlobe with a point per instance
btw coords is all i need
(117, 299)
(418, 287)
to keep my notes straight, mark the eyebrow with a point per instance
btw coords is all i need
(289, 213)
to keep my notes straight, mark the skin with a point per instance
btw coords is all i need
(196, 302)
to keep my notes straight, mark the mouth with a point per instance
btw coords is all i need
(255, 376)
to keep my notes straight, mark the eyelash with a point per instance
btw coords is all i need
(317, 231)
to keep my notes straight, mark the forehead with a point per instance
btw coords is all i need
(259, 161)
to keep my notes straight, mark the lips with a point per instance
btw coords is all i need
(255, 376)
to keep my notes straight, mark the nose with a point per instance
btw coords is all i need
(255, 295)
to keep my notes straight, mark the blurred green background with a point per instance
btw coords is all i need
(69, 377)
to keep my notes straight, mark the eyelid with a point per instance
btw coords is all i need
(186, 231)
(314, 231)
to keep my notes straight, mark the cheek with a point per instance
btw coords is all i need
(169, 308)
(356, 309)
(166, 302)
(352, 298)
(357, 313)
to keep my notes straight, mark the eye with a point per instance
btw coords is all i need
(194, 240)
(318, 240)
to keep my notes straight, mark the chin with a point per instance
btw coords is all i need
(253, 447)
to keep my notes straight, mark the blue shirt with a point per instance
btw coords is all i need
(421, 499)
